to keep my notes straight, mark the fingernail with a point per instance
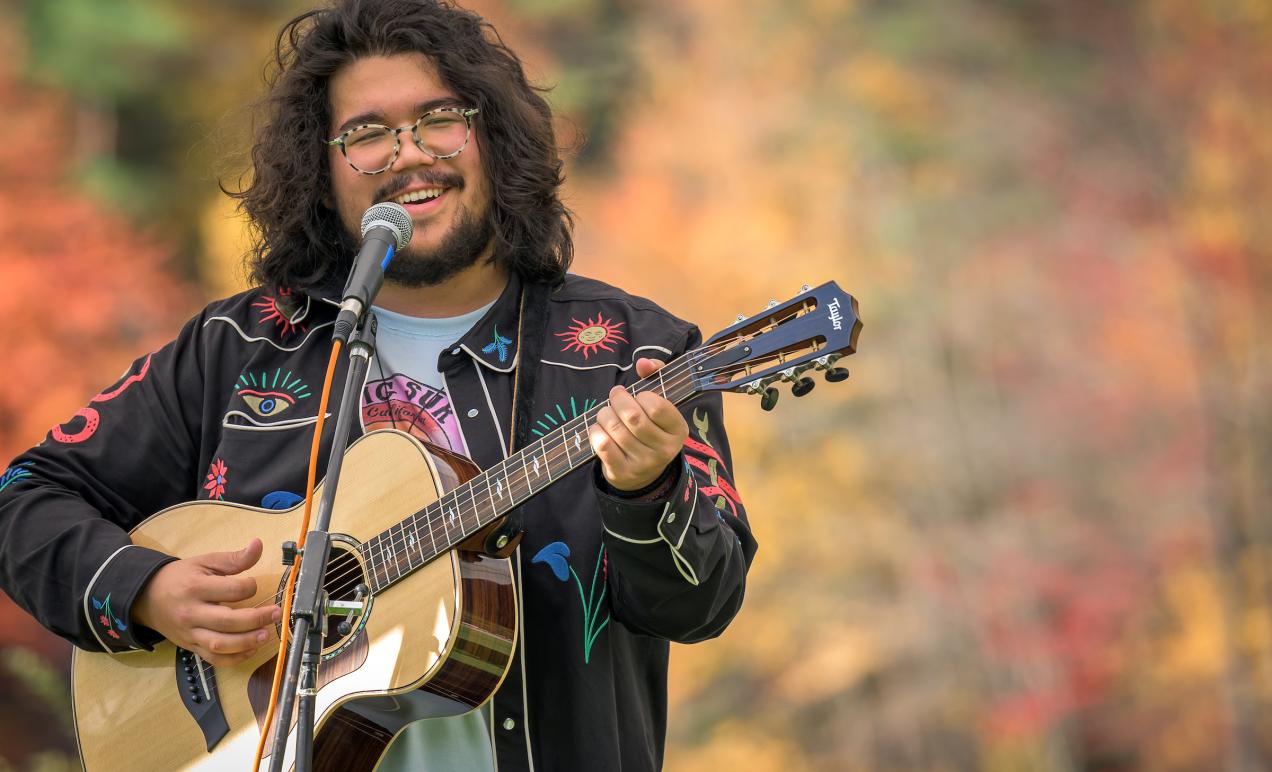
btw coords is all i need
(261, 636)
(277, 615)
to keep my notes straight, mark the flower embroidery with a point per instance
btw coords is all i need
(215, 485)
(557, 557)
(107, 619)
(500, 344)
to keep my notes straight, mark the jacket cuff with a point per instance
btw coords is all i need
(108, 601)
(657, 491)
(666, 521)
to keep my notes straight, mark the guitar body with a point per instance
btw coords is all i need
(437, 642)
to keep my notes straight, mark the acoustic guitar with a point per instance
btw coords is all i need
(435, 620)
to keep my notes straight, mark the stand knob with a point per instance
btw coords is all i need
(344, 628)
(803, 386)
(290, 551)
(837, 374)
(769, 400)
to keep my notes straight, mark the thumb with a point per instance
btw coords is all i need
(647, 367)
(236, 561)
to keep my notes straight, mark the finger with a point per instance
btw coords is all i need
(223, 619)
(234, 562)
(219, 644)
(220, 660)
(663, 414)
(609, 452)
(223, 589)
(632, 415)
(620, 432)
(647, 367)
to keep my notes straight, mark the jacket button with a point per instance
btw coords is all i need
(472, 413)
(671, 516)
(509, 724)
(455, 351)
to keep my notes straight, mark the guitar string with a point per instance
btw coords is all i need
(551, 456)
(681, 375)
(344, 581)
(433, 515)
(680, 369)
(436, 526)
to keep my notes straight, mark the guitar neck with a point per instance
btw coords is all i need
(470, 506)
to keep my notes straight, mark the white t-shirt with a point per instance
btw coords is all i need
(404, 390)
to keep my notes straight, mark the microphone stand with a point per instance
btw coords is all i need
(310, 607)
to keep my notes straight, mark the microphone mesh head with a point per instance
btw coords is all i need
(393, 217)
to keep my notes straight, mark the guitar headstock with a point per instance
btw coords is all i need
(811, 331)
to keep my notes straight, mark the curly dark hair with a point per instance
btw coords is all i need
(297, 238)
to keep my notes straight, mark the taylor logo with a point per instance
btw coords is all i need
(835, 318)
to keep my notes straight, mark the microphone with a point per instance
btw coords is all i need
(386, 229)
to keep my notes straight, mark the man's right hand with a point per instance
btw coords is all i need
(185, 600)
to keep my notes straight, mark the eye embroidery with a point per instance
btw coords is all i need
(269, 395)
(266, 403)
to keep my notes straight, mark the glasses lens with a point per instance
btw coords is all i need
(369, 149)
(442, 133)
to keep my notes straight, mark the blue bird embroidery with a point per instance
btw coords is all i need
(500, 345)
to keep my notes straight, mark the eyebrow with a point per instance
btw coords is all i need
(372, 116)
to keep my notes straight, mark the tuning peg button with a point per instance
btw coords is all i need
(803, 386)
(837, 374)
(769, 400)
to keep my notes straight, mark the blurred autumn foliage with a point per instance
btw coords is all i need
(1030, 533)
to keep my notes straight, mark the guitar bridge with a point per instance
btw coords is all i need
(196, 681)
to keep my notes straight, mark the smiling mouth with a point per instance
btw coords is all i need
(419, 196)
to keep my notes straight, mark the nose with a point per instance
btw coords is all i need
(409, 154)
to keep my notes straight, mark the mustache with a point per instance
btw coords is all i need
(435, 178)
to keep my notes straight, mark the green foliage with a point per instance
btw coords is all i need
(104, 51)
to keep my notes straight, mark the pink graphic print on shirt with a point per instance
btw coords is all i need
(402, 403)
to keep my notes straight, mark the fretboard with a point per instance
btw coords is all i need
(470, 506)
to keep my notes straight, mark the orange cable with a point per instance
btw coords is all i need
(285, 634)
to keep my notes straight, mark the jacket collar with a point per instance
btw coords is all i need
(491, 341)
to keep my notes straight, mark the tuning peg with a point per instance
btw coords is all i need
(803, 386)
(804, 288)
(769, 400)
(771, 304)
(837, 374)
(741, 318)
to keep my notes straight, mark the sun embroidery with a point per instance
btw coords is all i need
(592, 335)
(268, 395)
(215, 485)
(271, 312)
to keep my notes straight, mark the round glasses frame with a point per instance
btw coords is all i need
(466, 113)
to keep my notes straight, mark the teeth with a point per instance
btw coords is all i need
(419, 195)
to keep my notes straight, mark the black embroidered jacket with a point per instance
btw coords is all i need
(226, 411)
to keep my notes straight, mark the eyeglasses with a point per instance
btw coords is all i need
(442, 133)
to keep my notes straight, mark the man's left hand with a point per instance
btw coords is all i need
(636, 437)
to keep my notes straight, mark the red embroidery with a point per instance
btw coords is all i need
(592, 335)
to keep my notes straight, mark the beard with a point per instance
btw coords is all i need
(460, 249)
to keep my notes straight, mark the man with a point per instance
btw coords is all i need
(419, 103)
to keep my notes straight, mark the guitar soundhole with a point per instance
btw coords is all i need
(346, 582)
